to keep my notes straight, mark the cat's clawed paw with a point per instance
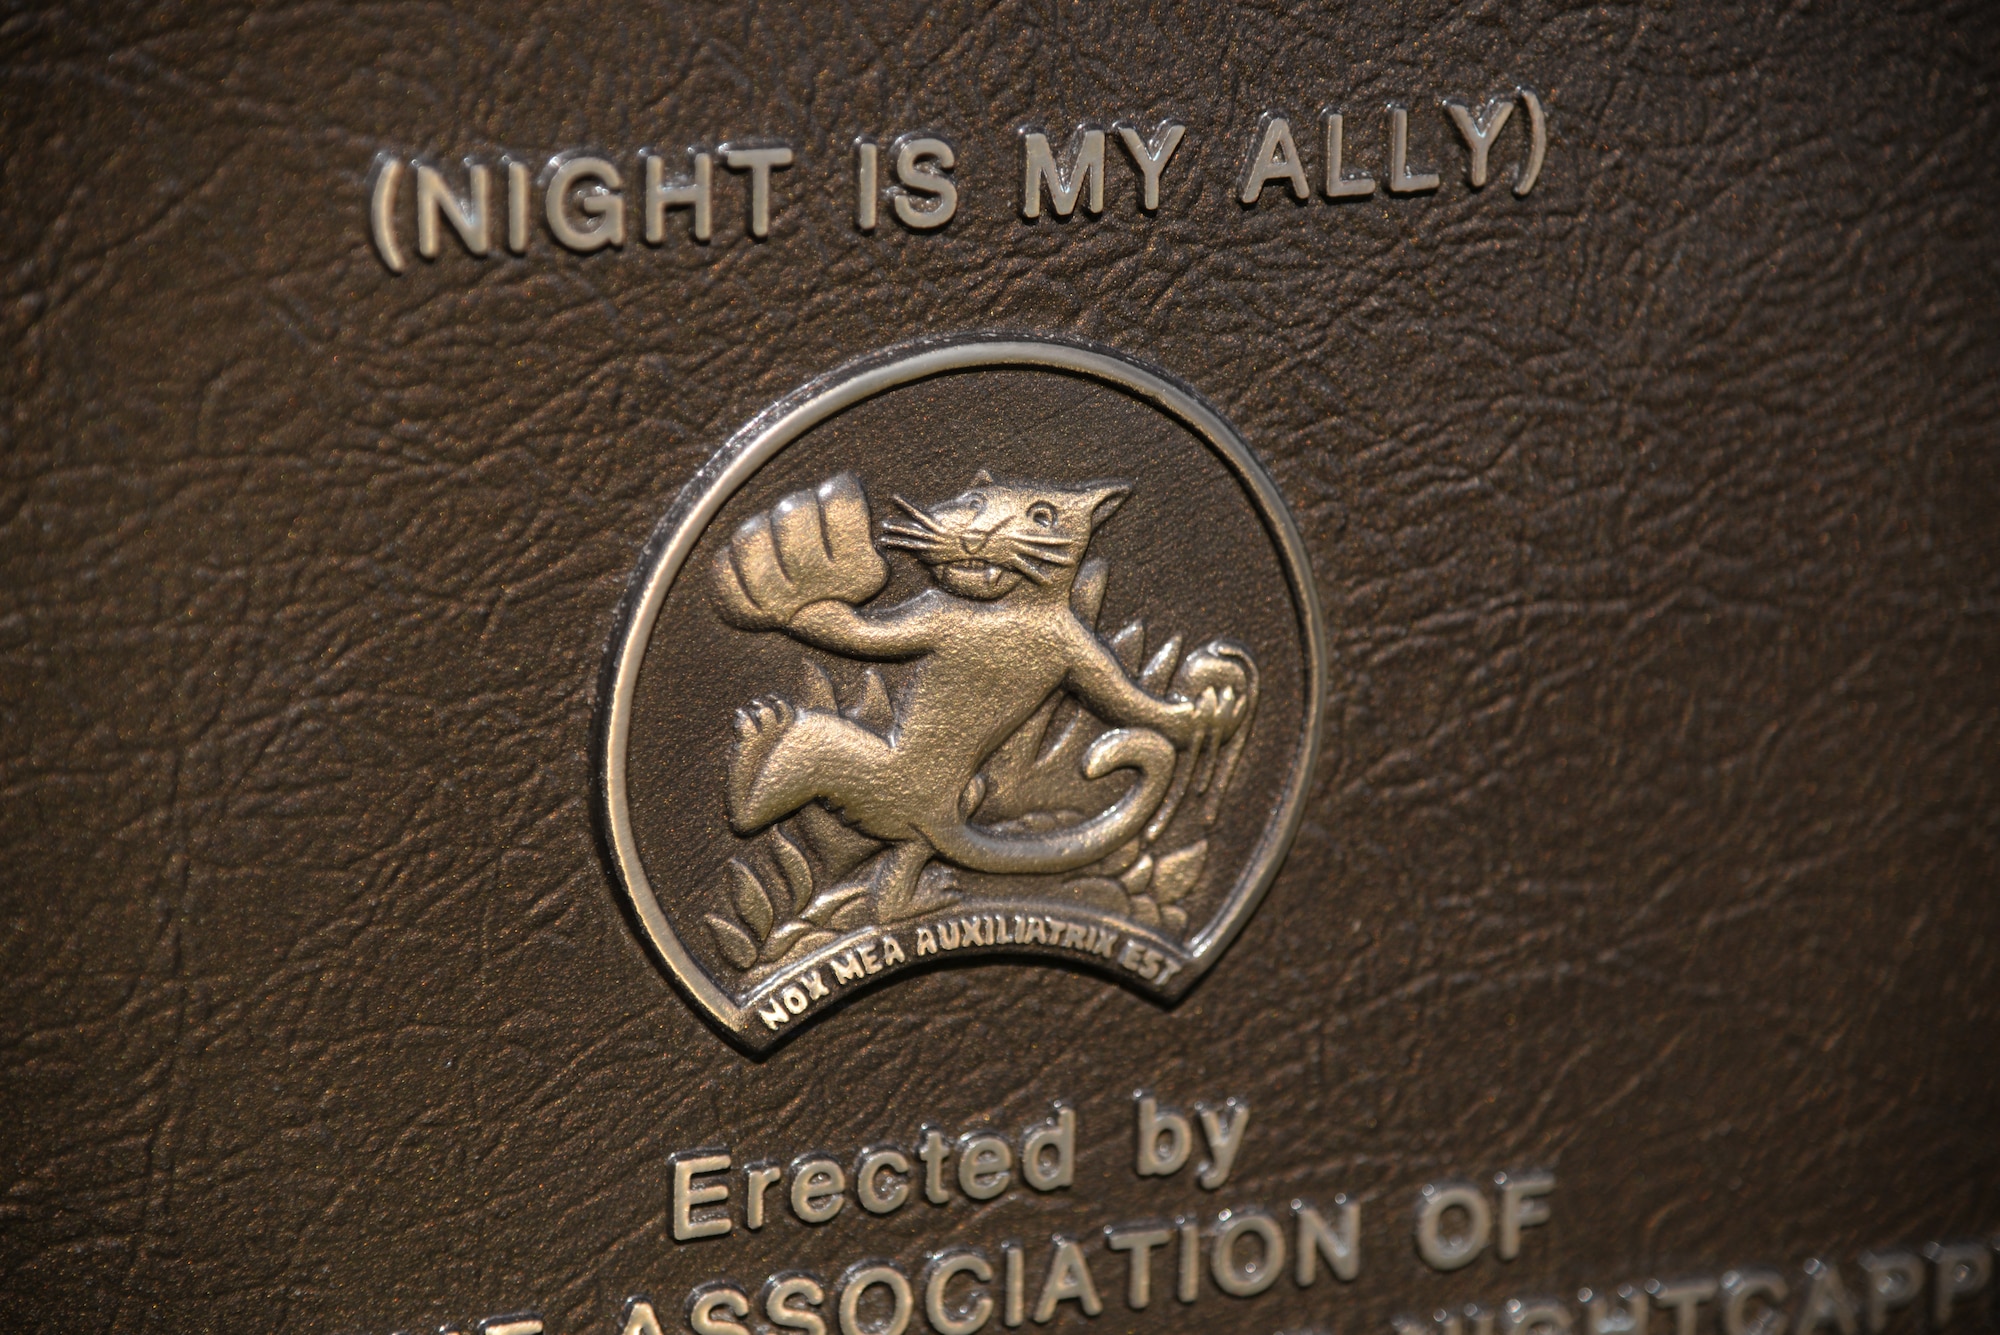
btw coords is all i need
(1219, 678)
(759, 726)
(764, 714)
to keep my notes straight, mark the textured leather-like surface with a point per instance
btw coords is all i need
(1656, 516)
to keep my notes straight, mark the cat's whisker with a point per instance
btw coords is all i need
(1048, 558)
(909, 541)
(907, 531)
(917, 513)
(1020, 564)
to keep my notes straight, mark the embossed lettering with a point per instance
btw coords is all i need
(1233, 1273)
(966, 1317)
(1766, 1289)
(759, 161)
(1630, 1315)
(1147, 962)
(757, 1179)
(469, 217)
(640, 1318)
(595, 184)
(1340, 1246)
(1273, 157)
(1015, 1310)
(382, 212)
(875, 1166)
(1165, 1139)
(817, 1184)
(1524, 1204)
(1223, 1129)
(985, 1164)
(1682, 1298)
(1958, 1270)
(875, 1274)
(1187, 1285)
(1538, 142)
(1048, 1152)
(867, 181)
(1082, 178)
(1403, 178)
(1479, 131)
(584, 207)
(785, 1313)
(704, 1310)
(934, 1152)
(1444, 1250)
(1150, 156)
(1339, 183)
(1825, 1302)
(1139, 1241)
(1068, 1280)
(925, 196)
(687, 1195)
(517, 206)
(1894, 1281)
(694, 192)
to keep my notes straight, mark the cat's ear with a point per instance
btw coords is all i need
(982, 478)
(1105, 502)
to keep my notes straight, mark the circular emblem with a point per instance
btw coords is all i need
(983, 646)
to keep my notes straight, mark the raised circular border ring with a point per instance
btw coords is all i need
(758, 441)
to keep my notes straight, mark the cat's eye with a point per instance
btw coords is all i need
(1042, 514)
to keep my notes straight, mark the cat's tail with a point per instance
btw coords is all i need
(1073, 846)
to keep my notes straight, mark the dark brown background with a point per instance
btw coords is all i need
(1654, 515)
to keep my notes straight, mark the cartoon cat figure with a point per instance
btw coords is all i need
(988, 644)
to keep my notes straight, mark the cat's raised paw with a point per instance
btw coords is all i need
(812, 546)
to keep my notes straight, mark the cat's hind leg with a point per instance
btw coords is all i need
(784, 757)
(906, 883)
